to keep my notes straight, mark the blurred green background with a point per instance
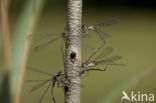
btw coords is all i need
(133, 37)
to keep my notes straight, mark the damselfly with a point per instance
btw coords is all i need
(59, 78)
(100, 59)
(53, 38)
(101, 34)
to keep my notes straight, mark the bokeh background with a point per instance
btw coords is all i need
(133, 38)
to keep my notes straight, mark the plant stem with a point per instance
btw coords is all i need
(73, 51)
(23, 64)
(6, 33)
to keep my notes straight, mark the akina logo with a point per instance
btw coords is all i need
(137, 96)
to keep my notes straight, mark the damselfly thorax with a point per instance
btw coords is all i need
(86, 65)
(88, 27)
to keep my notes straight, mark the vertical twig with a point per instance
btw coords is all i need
(5, 33)
(73, 51)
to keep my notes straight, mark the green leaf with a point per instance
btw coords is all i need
(31, 7)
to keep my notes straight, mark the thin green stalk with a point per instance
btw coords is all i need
(5, 88)
(5, 33)
(36, 8)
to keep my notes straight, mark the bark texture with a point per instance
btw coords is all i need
(73, 51)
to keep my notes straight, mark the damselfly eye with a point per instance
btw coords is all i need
(59, 73)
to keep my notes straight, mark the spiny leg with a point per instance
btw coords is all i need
(97, 69)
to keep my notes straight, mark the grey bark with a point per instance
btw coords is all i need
(73, 45)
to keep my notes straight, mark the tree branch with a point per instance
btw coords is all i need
(73, 51)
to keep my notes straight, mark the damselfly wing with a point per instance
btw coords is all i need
(41, 83)
(51, 38)
(100, 33)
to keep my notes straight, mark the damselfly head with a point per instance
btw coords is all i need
(59, 73)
